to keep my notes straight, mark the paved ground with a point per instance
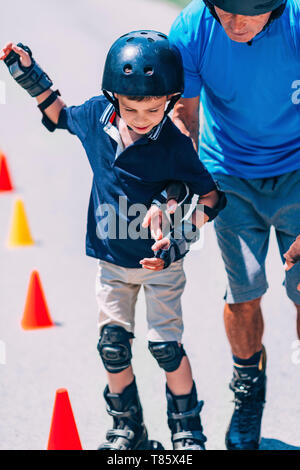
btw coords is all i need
(51, 173)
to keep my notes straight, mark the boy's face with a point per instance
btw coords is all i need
(142, 116)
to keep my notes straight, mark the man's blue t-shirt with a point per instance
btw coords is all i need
(249, 93)
(126, 181)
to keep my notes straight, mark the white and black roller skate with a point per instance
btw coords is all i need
(184, 421)
(129, 431)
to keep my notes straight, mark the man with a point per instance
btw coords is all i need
(241, 60)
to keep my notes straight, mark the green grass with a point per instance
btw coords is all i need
(181, 3)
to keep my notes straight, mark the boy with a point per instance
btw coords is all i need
(135, 151)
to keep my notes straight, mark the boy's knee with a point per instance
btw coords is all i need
(168, 354)
(114, 348)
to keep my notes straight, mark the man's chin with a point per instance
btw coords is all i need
(240, 38)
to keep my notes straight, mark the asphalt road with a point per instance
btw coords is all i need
(51, 174)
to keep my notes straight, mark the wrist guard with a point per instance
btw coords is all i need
(180, 240)
(33, 79)
(212, 212)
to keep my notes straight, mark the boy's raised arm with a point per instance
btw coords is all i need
(29, 75)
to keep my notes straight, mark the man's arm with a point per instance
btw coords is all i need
(186, 118)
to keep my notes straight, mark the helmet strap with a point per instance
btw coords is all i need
(172, 103)
(112, 100)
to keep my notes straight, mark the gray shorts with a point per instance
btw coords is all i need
(117, 289)
(243, 230)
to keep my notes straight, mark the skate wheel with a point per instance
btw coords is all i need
(155, 445)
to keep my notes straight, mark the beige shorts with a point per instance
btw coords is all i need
(117, 289)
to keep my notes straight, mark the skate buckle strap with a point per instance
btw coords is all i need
(125, 433)
(193, 413)
(122, 414)
(195, 435)
(108, 446)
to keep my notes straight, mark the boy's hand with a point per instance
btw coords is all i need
(154, 218)
(25, 58)
(24, 69)
(156, 264)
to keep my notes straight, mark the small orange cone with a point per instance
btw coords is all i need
(36, 313)
(19, 234)
(63, 431)
(5, 179)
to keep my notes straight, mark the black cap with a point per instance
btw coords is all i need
(247, 7)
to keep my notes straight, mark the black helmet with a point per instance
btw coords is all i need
(247, 7)
(143, 63)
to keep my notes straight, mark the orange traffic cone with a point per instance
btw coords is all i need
(36, 313)
(63, 431)
(19, 234)
(5, 179)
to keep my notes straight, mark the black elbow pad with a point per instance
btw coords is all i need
(212, 212)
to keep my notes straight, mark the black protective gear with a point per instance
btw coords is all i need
(50, 125)
(212, 212)
(129, 431)
(276, 11)
(168, 354)
(114, 348)
(183, 233)
(180, 240)
(184, 420)
(247, 7)
(143, 63)
(33, 79)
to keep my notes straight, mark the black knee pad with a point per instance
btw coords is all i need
(114, 348)
(168, 354)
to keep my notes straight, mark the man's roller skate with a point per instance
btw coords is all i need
(249, 398)
(129, 431)
(184, 421)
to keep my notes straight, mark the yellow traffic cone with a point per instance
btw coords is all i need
(19, 230)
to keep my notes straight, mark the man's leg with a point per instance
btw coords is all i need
(244, 327)
(243, 235)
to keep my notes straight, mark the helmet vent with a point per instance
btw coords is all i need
(148, 71)
(162, 36)
(127, 69)
(150, 39)
(130, 39)
(144, 32)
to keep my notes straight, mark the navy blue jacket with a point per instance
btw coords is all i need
(136, 176)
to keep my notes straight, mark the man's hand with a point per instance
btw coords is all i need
(292, 256)
(156, 264)
(24, 56)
